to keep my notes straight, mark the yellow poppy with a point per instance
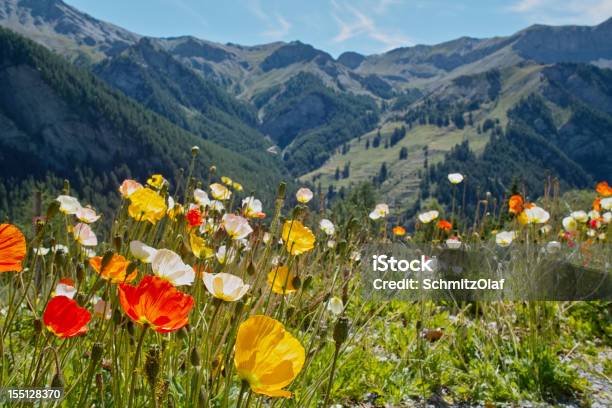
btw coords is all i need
(298, 238)
(281, 280)
(267, 356)
(199, 248)
(147, 205)
(156, 180)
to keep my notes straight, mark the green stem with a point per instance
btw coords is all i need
(331, 375)
(134, 365)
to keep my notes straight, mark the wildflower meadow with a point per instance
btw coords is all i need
(193, 293)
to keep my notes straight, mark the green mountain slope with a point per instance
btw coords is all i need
(154, 78)
(59, 121)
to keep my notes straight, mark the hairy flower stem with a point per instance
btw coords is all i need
(331, 375)
(135, 365)
(243, 388)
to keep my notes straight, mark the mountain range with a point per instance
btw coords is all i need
(501, 109)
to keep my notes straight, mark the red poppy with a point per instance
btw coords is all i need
(12, 248)
(115, 270)
(445, 225)
(157, 303)
(65, 318)
(194, 217)
(604, 189)
(515, 204)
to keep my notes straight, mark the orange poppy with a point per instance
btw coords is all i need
(65, 318)
(12, 248)
(597, 204)
(604, 189)
(515, 204)
(115, 271)
(399, 231)
(157, 303)
(445, 225)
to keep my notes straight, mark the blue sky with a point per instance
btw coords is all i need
(366, 26)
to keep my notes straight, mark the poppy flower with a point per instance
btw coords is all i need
(68, 204)
(596, 204)
(12, 248)
(453, 243)
(155, 302)
(156, 180)
(142, 252)
(169, 265)
(304, 195)
(445, 225)
(87, 215)
(606, 203)
(237, 186)
(298, 238)
(147, 205)
(604, 189)
(505, 238)
(226, 180)
(115, 270)
(428, 216)
(194, 217)
(201, 197)
(327, 226)
(225, 286)
(515, 204)
(252, 208)
(65, 318)
(267, 356)
(128, 187)
(380, 211)
(536, 215)
(455, 178)
(335, 305)
(225, 255)
(220, 192)
(399, 231)
(65, 287)
(281, 279)
(84, 235)
(236, 226)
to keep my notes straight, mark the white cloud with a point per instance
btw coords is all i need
(563, 11)
(359, 24)
(278, 27)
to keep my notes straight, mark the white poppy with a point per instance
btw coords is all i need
(236, 226)
(86, 214)
(569, 224)
(380, 211)
(169, 265)
(142, 252)
(68, 204)
(335, 306)
(65, 287)
(453, 243)
(580, 216)
(455, 178)
(42, 251)
(304, 195)
(505, 238)
(536, 215)
(220, 192)
(606, 203)
(84, 235)
(428, 216)
(101, 308)
(327, 226)
(201, 197)
(225, 286)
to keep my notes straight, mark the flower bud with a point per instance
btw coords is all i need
(108, 255)
(117, 241)
(96, 352)
(307, 282)
(80, 272)
(37, 326)
(195, 150)
(152, 363)
(296, 282)
(341, 331)
(194, 357)
(57, 381)
(66, 189)
(212, 169)
(52, 209)
(282, 189)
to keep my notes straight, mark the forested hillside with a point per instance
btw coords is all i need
(58, 121)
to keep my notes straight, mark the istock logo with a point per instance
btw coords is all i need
(384, 263)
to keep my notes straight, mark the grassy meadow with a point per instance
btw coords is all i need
(191, 294)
